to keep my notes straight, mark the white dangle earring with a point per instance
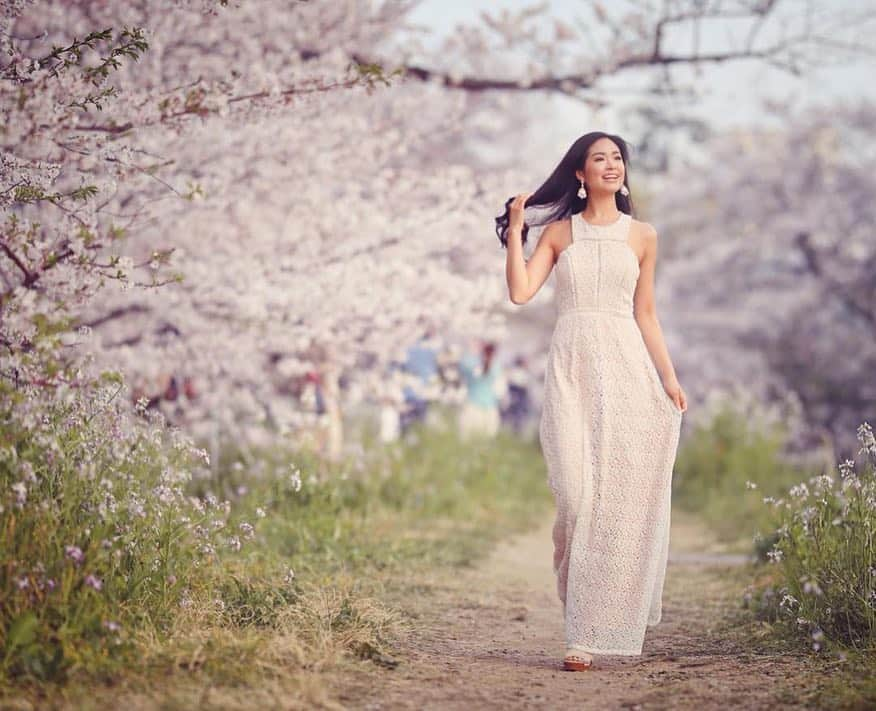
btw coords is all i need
(625, 191)
(582, 191)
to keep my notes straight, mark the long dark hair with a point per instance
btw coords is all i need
(557, 198)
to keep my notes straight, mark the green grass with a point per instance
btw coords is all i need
(352, 532)
(815, 587)
(714, 463)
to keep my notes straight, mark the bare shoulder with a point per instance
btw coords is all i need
(558, 227)
(557, 234)
(645, 229)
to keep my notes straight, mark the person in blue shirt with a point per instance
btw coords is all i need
(421, 360)
(485, 387)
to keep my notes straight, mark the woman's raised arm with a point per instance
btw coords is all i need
(525, 277)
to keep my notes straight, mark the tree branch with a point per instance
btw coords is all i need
(29, 276)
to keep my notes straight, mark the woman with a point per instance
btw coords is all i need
(613, 405)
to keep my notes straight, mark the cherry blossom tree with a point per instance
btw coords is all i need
(769, 281)
(269, 169)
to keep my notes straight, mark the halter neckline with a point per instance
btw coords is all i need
(608, 224)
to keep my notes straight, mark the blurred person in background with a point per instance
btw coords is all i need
(517, 409)
(421, 362)
(485, 386)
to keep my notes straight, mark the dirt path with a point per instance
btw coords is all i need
(492, 637)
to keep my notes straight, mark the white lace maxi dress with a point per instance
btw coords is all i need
(609, 434)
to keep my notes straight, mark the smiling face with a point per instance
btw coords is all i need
(603, 167)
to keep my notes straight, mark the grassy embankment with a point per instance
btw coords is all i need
(330, 545)
(813, 529)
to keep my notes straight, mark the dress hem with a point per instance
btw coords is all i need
(615, 652)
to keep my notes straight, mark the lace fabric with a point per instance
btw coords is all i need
(609, 434)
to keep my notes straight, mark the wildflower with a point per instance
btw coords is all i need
(847, 469)
(74, 553)
(289, 577)
(93, 581)
(20, 491)
(825, 481)
(260, 513)
(247, 530)
(788, 601)
(27, 472)
(185, 599)
(807, 514)
(171, 579)
(775, 555)
(163, 493)
(234, 543)
(136, 506)
(295, 477)
(799, 490)
(750, 485)
(111, 626)
(865, 436)
(818, 635)
(22, 583)
(811, 587)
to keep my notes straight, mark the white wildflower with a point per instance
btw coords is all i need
(799, 490)
(295, 478)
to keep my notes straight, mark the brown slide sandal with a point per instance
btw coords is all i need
(573, 662)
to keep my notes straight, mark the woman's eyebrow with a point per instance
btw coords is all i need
(602, 153)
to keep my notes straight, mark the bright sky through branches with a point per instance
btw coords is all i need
(734, 92)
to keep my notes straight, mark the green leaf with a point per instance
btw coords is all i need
(22, 632)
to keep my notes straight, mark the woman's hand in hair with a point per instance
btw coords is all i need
(515, 212)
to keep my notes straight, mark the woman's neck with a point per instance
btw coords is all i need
(601, 208)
